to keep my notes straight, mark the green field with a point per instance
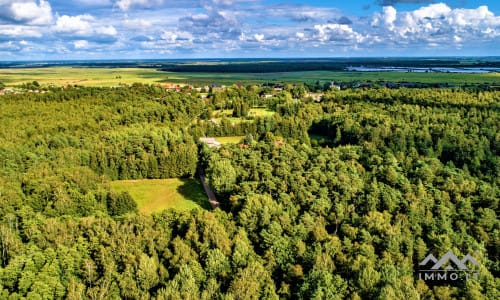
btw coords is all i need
(59, 76)
(229, 139)
(154, 195)
(313, 76)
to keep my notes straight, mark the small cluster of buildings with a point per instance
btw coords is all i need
(210, 141)
(7, 91)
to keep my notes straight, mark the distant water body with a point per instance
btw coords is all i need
(425, 70)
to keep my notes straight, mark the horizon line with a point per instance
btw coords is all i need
(250, 58)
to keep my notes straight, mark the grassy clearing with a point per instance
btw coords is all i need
(261, 112)
(154, 195)
(60, 76)
(254, 112)
(230, 139)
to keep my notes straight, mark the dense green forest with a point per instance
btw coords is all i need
(333, 199)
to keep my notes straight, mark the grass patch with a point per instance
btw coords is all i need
(154, 195)
(261, 112)
(253, 112)
(230, 139)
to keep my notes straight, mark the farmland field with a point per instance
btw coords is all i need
(59, 76)
(158, 194)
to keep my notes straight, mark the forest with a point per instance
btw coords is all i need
(340, 198)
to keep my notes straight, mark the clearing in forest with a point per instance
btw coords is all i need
(230, 139)
(154, 195)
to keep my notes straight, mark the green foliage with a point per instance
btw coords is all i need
(394, 176)
(221, 175)
(119, 204)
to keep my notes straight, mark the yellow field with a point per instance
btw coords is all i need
(60, 76)
(154, 195)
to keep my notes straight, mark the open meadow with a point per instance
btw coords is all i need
(153, 195)
(61, 76)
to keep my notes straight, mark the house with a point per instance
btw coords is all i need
(171, 86)
(334, 86)
(211, 142)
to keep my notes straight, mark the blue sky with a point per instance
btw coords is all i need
(135, 29)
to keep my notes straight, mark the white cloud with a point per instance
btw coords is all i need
(390, 16)
(176, 37)
(432, 11)
(336, 33)
(82, 26)
(258, 37)
(81, 44)
(436, 24)
(127, 4)
(107, 30)
(27, 12)
(20, 31)
(78, 25)
(137, 24)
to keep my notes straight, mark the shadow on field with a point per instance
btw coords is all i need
(192, 190)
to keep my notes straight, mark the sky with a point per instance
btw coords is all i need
(169, 29)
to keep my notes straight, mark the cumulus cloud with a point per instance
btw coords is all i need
(336, 33)
(437, 24)
(81, 44)
(258, 37)
(78, 25)
(387, 17)
(176, 36)
(84, 26)
(19, 31)
(26, 12)
(127, 4)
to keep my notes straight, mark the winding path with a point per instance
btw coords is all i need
(211, 196)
